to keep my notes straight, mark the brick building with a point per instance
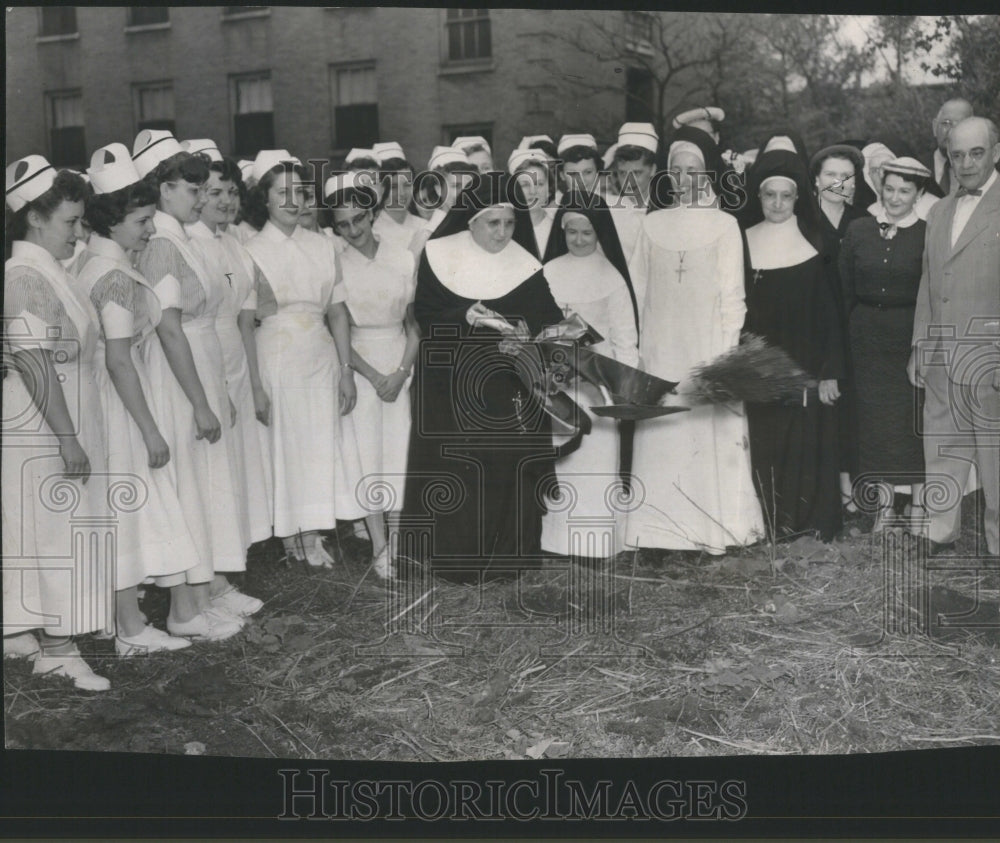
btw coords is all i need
(314, 80)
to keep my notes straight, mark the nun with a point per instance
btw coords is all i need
(480, 443)
(692, 470)
(53, 430)
(793, 448)
(588, 276)
(379, 285)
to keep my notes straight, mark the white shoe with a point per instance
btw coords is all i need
(236, 603)
(222, 614)
(24, 645)
(210, 625)
(72, 665)
(150, 640)
(317, 557)
(383, 567)
(360, 530)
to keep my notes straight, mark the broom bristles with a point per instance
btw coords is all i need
(754, 372)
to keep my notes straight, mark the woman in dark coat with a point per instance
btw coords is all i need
(880, 267)
(480, 443)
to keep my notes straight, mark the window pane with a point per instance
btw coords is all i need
(253, 96)
(67, 111)
(58, 20)
(156, 103)
(147, 15)
(253, 132)
(485, 40)
(356, 125)
(454, 43)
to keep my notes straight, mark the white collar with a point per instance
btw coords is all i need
(169, 224)
(986, 186)
(105, 247)
(200, 229)
(468, 270)
(905, 222)
(574, 279)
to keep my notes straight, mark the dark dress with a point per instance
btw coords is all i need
(480, 444)
(847, 417)
(794, 448)
(880, 280)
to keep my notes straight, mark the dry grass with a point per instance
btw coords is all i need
(768, 651)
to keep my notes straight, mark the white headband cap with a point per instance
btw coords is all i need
(27, 179)
(246, 168)
(358, 152)
(268, 159)
(442, 155)
(528, 140)
(151, 147)
(519, 157)
(789, 179)
(465, 142)
(492, 207)
(387, 150)
(642, 135)
(204, 146)
(568, 141)
(111, 168)
(343, 181)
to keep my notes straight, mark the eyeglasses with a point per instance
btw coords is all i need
(948, 124)
(347, 225)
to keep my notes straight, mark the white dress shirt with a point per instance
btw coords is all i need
(964, 207)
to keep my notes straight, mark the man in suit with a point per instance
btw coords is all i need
(949, 115)
(956, 333)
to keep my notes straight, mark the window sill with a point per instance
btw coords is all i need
(461, 68)
(262, 13)
(147, 27)
(54, 39)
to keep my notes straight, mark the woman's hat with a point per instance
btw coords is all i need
(528, 140)
(467, 141)
(27, 179)
(443, 155)
(346, 181)
(204, 146)
(268, 159)
(111, 168)
(519, 157)
(638, 134)
(151, 147)
(569, 141)
(906, 166)
(359, 152)
(387, 151)
(710, 114)
(837, 150)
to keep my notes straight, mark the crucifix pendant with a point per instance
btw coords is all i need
(680, 268)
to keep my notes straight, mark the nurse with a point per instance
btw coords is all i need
(398, 221)
(303, 383)
(188, 363)
(379, 280)
(53, 429)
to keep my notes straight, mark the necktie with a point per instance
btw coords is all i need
(946, 177)
(965, 192)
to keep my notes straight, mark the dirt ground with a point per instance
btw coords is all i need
(800, 647)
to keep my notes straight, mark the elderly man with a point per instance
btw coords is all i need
(949, 115)
(956, 334)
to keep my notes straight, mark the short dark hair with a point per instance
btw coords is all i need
(547, 147)
(106, 210)
(67, 186)
(535, 164)
(255, 210)
(630, 152)
(181, 166)
(227, 169)
(575, 154)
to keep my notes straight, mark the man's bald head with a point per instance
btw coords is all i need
(952, 111)
(974, 149)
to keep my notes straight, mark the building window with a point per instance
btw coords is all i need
(154, 106)
(639, 32)
(253, 114)
(468, 32)
(57, 20)
(354, 101)
(639, 95)
(67, 145)
(148, 15)
(469, 130)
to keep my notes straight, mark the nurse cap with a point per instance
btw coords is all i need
(568, 141)
(528, 140)
(204, 146)
(111, 168)
(387, 151)
(710, 114)
(27, 179)
(246, 166)
(467, 141)
(268, 159)
(609, 156)
(359, 152)
(642, 135)
(519, 157)
(152, 146)
(346, 181)
(443, 155)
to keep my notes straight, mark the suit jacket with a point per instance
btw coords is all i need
(958, 306)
